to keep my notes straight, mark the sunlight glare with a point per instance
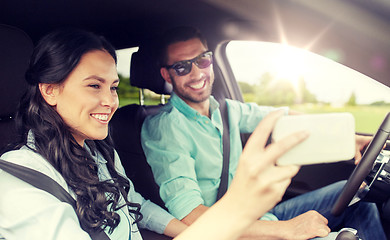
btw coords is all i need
(290, 64)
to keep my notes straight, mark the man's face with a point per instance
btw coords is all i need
(194, 87)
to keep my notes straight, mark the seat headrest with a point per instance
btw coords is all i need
(15, 51)
(145, 71)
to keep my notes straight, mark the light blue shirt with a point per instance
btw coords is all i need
(29, 213)
(184, 150)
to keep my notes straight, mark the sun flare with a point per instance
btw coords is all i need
(290, 64)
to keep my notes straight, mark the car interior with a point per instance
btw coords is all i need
(361, 28)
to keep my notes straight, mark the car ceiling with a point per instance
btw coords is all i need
(359, 31)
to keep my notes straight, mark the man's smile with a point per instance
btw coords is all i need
(198, 85)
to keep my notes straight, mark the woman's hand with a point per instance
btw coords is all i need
(259, 183)
(257, 186)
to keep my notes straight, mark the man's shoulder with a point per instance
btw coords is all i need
(233, 102)
(238, 105)
(166, 118)
(165, 112)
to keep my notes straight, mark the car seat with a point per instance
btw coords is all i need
(15, 50)
(126, 127)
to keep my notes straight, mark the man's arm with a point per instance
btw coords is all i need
(305, 226)
(194, 214)
(166, 149)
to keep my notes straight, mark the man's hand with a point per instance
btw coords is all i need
(306, 226)
(361, 144)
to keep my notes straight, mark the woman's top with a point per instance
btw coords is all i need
(30, 213)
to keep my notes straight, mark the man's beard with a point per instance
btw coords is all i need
(187, 97)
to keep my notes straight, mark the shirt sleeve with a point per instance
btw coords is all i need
(30, 213)
(154, 217)
(250, 114)
(168, 153)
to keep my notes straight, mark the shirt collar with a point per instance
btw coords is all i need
(98, 158)
(30, 140)
(188, 111)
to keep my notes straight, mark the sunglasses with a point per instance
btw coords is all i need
(184, 67)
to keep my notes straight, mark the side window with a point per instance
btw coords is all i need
(280, 75)
(127, 93)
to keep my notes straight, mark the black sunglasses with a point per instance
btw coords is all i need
(184, 67)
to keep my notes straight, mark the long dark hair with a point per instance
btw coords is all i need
(53, 59)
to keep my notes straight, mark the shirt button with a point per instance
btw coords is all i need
(206, 122)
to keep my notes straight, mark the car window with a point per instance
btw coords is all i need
(127, 93)
(280, 75)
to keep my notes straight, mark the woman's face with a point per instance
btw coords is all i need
(88, 98)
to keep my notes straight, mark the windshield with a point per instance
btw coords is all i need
(276, 74)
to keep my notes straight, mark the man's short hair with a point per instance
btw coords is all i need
(178, 34)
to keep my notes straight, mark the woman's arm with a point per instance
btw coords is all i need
(175, 227)
(258, 185)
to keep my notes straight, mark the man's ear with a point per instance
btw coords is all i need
(165, 74)
(49, 93)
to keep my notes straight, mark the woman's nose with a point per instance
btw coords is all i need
(109, 98)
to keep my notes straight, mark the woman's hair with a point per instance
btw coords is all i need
(53, 59)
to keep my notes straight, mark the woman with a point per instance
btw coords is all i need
(63, 121)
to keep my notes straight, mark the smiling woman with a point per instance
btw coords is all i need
(87, 99)
(63, 120)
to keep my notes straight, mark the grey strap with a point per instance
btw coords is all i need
(43, 182)
(226, 150)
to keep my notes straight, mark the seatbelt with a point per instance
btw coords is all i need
(45, 183)
(226, 150)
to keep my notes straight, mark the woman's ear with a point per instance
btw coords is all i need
(49, 93)
(165, 74)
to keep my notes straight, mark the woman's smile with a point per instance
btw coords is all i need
(101, 117)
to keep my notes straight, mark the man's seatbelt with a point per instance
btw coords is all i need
(226, 150)
(45, 183)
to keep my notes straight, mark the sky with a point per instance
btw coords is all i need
(327, 79)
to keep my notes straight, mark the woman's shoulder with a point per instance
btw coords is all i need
(28, 158)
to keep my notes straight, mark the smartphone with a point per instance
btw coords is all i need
(331, 138)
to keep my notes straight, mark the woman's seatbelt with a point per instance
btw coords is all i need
(45, 183)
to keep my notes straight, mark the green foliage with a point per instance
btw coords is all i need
(380, 103)
(367, 117)
(278, 92)
(306, 95)
(125, 90)
(352, 100)
(246, 88)
(127, 93)
(271, 91)
(130, 95)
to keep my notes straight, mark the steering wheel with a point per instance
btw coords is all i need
(364, 167)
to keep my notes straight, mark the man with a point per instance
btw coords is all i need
(183, 145)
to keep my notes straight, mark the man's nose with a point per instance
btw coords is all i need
(196, 72)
